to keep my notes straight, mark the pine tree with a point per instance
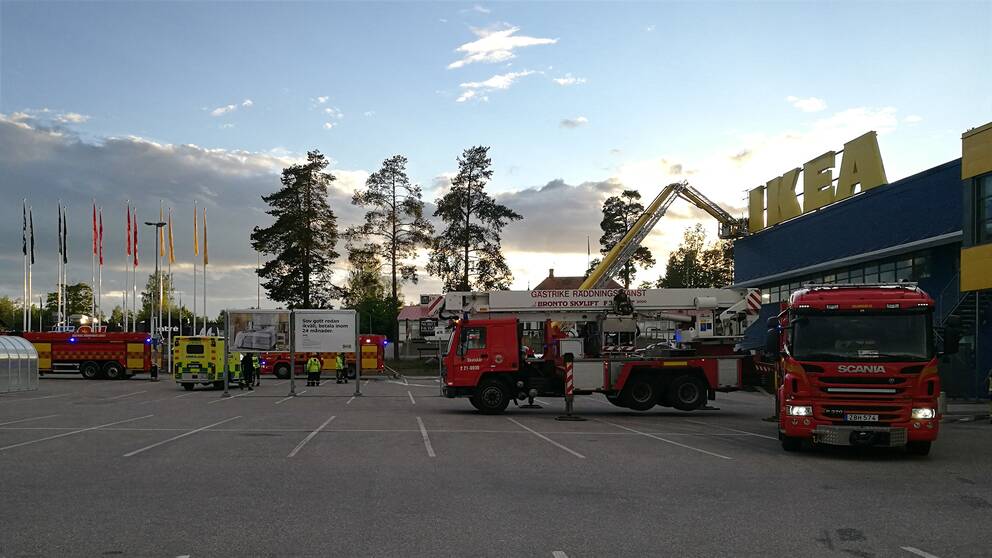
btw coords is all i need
(467, 255)
(619, 215)
(395, 220)
(694, 265)
(302, 238)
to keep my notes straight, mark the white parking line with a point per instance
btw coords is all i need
(546, 439)
(427, 440)
(290, 397)
(559, 554)
(123, 395)
(228, 398)
(673, 442)
(918, 552)
(281, 383)
(412, 401)
(732, 429)
(26, 420)
(35, 398)
(72, 432)
(184, 395)
(542, 402)
(350, 400)
(183, 435)
(309, 437)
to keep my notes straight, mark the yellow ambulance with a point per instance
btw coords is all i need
(198, 359)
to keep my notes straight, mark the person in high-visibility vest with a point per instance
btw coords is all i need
(257, 369)
(313, 371)
(339, 369)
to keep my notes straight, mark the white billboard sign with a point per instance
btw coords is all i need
(259, 330)
(325, 331)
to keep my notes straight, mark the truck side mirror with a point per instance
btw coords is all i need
(771, 343)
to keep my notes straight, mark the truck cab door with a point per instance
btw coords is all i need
(474, 349)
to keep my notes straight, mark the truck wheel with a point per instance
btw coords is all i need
(493, 396)
(687, 392)
(90, 370)
(791, 444)
(113, 371)
(640, 394)
(918, 448)
(188, 386)
(282, 372)
(475, 403)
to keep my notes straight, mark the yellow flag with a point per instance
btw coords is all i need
(172, 247)
(206, 260)
(196, 233)
(161, 233)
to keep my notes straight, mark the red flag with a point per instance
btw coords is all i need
(101, 236)
(134, 226)
(94, 228)
(127, 238)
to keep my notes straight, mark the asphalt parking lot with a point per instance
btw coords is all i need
(134, 468)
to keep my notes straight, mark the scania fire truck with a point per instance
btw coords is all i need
(597, 331)
(101, 354)
(857, 366)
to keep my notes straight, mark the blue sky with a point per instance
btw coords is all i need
(645, 92)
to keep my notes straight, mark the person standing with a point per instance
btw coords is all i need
(247, 371)
(340, 374)
(256, 369)
(313, 371)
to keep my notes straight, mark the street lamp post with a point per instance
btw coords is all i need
(158, 278)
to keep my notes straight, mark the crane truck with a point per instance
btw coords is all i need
(857, 366)
(595, 331)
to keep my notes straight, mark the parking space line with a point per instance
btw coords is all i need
(290, 397)
(918, 552)
(427, 439)
(122, 396)
(26, 420)
(54, 436)
(228, 398)
(350, 400)
(558, 554)
(546, 439)
(309, 437)
(184, 395)
(34, 398)
(183, 435)
(412, 401)
(732, 429)
(673, 442)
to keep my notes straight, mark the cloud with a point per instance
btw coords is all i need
(229, 183)
(809, 104)
(334, 113)
(478, 9)
(478, 89)
(71, 118)
(569, 80)
(650, 28)
(247, 103)
(226, 125)
(322, 100)
(573, 122)
(328, 125)
(495, 45)
(220, 111)
(369, 113)
(913, 119)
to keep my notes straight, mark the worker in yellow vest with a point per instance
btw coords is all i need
(313, 371)
(340, 374)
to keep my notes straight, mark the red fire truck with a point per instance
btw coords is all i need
(373, 353)
(598, 331)
(857, 366)
(111, 355)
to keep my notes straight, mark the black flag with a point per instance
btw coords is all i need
(24, 228)
(60, 230)
(31, 232)
(65, 236)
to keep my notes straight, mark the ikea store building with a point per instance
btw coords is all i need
(849, 225)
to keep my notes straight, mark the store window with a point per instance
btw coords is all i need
(983, 213)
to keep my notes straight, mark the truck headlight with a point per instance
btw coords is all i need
(924, 413)
(799, 410)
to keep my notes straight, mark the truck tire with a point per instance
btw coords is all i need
(616, 401)
(492, 396)
(89, 370)
(282, 371)
(918, 448)
(640, 393)
(687, 393)
(188, 386)
(113, 371)
(791, 444)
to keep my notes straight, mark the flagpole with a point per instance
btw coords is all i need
(99, 307)
(196, 252)
(206, 318)
(25, 301)
(127, 240)
(134, 275)
(30, 266)
(93, 268)
(58, 282)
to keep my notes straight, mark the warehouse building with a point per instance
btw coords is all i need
(933, 228)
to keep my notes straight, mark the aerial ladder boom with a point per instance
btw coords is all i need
(730, 227)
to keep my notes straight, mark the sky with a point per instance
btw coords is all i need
(171, 102)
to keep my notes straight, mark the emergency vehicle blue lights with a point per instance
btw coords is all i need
(72, 339)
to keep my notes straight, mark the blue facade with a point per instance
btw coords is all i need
(909, 229)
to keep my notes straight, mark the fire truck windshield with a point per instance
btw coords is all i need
(893, 337)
